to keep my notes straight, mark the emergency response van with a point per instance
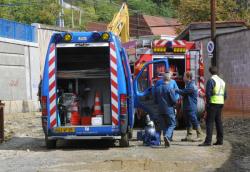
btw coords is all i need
(87, 90)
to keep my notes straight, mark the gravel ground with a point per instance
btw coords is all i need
(25, 150)
(237, 132)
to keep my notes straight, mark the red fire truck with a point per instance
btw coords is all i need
(182, 56)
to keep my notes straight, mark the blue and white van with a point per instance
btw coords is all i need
(79, 64)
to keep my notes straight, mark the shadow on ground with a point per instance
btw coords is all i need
(238, 134)
(38, 144)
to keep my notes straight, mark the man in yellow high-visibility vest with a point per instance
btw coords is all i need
(215, 95)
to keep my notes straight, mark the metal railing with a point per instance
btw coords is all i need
(18, 31)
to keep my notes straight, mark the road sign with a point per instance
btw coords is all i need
(210, 47)
(210, 55)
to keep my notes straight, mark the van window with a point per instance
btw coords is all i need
(143, 80)
(82, 58)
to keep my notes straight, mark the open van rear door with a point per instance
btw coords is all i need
(144, 85)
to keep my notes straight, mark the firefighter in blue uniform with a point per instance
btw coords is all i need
(166, 98)
(190, 95)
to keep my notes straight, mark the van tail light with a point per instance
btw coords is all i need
(44, 106)
(123, 108)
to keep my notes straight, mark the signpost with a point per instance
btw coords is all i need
(210, 49)
(213, 28)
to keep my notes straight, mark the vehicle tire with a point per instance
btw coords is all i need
(130, 134)
(110, 143)
(124, 142)
(50, 144)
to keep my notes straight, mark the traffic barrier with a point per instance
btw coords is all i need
(97, 105)
(75, 118)
(86, 120)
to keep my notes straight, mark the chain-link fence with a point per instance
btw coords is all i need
(19, 31)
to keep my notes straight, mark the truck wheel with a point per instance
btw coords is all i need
(124, 142)
(50, 144)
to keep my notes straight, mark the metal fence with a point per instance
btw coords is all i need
(18, 31)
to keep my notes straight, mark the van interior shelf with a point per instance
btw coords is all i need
(90, 73)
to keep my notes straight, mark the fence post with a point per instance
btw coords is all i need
(1, 122)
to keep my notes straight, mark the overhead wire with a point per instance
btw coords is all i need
(21, 4)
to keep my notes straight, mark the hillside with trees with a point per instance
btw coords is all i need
(186, 11)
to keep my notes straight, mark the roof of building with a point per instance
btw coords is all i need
(144, 25)
(207, 25)
(96, 26)
(162, 25)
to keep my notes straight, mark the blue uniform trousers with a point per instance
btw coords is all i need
(171, 124)
(192, 119)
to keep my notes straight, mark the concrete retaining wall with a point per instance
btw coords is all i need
(20, 75)
(21, 66)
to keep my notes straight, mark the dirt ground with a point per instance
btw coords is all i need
(25, 150)
(237, 132)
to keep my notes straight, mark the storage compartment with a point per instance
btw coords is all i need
(84, 72)
(177, 67)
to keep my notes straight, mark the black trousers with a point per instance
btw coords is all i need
(214, 114)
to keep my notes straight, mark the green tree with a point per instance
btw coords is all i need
(151, 7)
(105, 11)
(199, 10)
(43, 11)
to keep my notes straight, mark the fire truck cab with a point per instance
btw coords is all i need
(181, 56)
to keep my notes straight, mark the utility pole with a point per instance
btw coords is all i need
(137, 23)
(72, 15)
(95, 4)
(61, 14)
(80, 18)
(213, 30)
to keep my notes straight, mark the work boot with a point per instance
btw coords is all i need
(189, 135)
(205, 144)
(167, 142)
(199, 135)
(218, 143)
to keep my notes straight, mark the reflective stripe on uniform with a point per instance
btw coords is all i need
(218, 90)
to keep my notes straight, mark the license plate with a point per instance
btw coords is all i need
(65, 130)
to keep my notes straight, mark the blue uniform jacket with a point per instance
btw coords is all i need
(163, 97)
(190, 94)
